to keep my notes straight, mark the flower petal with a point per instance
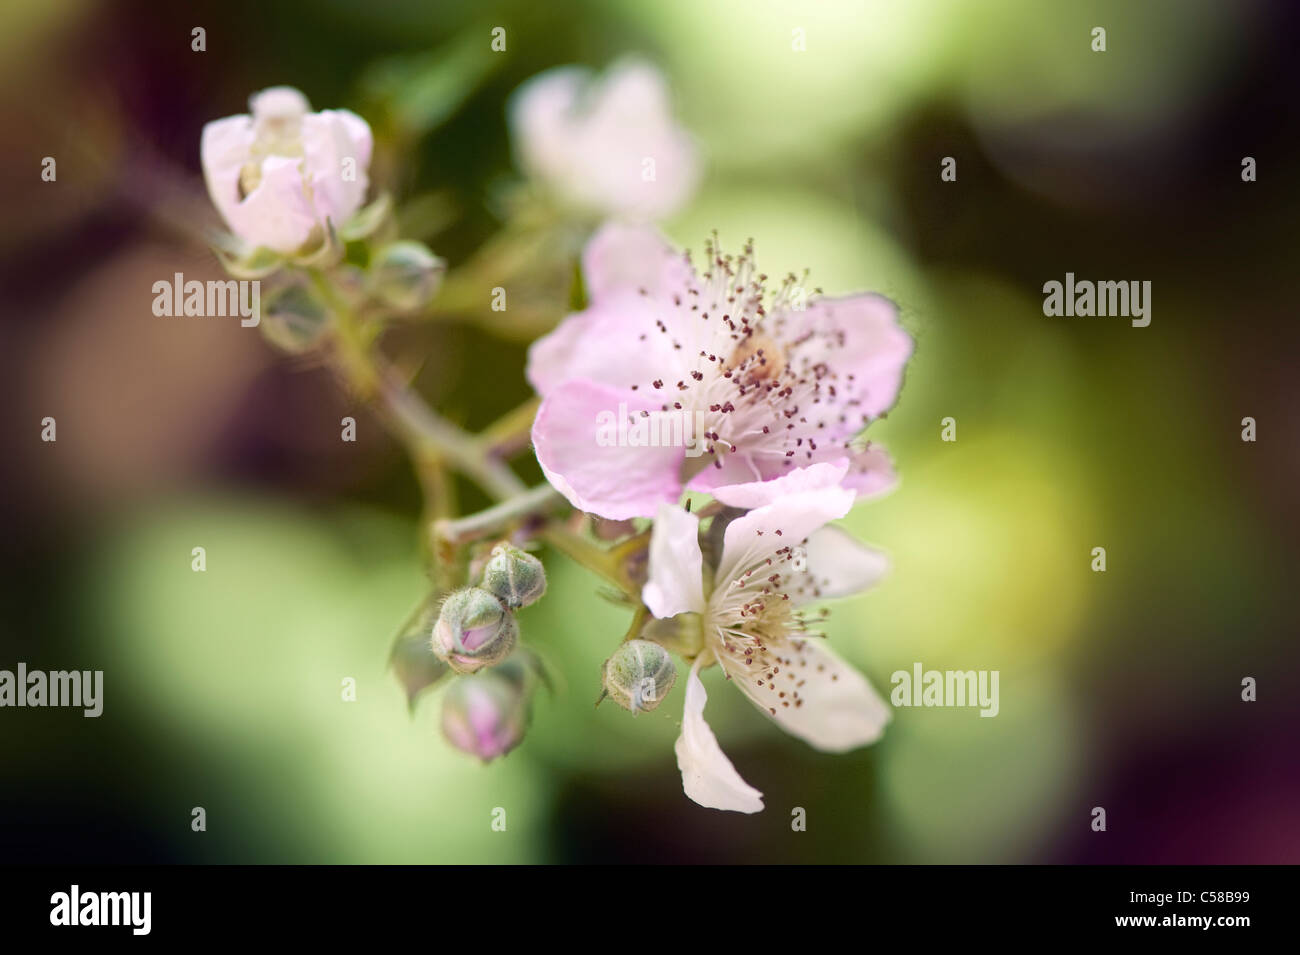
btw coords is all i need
(758, 493)
(632, 259)
(675, 583)
(539, 113)
(276, 214)
(838, 565)
(592, 467)
(871, 472)
(787, 522)
(332, 140)
(860, 335)
(616, 342)
(224, 148)
(816, 696)
(588, 139)
(707, 775)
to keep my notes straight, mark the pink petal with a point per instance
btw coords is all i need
(871, 472)
(608, 480)
(224, 148)
(860, 335)
(329, 138)
(628, 258)
(276, 214)
(616, 342)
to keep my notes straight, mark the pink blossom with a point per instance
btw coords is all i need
(278, 175)
(606, 146)
(767, 380)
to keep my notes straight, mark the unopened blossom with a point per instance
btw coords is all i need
(605, 146)
(775, 558)
(486, 715)
(474, 630)
(763, 379)
(279, 175)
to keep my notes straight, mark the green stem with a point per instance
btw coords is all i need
(531, 503)
(589, 555)
(510, 433)
(427, 434)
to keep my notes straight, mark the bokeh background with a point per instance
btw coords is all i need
(1119, 690)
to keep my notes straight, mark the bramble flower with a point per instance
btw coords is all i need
(280, 175)
(764, 382)
(744, 615)
(606, 147)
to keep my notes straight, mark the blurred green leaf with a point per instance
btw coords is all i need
(419, 92)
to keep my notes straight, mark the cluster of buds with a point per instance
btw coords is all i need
(485, 712)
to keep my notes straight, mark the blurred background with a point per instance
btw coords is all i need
(1119, 689)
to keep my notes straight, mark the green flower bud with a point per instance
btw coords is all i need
(639, 675)
(516, 577)
(474, 631)
(406, 275)
(294, 319)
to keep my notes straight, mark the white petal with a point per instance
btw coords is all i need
(675, 583)
(826, 702)
(278, 102)
(785, 523)
(707, 775)
(760, 493)
(838, 565)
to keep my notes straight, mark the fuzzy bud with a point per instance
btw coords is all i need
(639, 675)
(516, 578)
(474, 631)
(486, 714)
(406, 275)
